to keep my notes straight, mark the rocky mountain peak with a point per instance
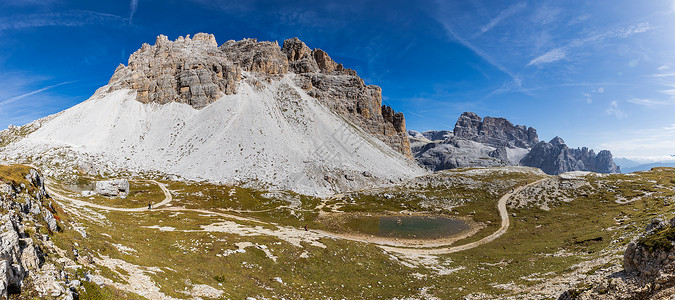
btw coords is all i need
(198, 72)
(496, 132)
(555, 157)
(557, 141)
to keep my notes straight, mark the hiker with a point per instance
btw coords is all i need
(149, 205)
(306, 228)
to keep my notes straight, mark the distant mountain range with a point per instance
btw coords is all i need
(629, 166)
(497, 142)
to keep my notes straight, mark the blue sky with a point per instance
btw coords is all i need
(597, 73)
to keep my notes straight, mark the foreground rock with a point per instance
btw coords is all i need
(649, 268)
(26, 218)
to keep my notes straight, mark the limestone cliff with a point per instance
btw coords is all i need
(491, 142)
(495, 132)
(555, 157)
(198, 72)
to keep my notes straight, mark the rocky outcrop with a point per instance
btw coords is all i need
(456, 152)
(347, 94)
(112, 188)
(193, 71)
(649, 268)
(24, 213)
(555, 157)
(488, 142)
(198, 72)
(495, 132)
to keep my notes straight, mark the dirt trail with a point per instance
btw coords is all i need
(167, 198)
(503, 213)
(391, 246)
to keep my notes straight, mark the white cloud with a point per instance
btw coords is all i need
(614, 110)
(669, 92)
(546, 15)
(549, 57)
(589, 100)
(646, 102)
(451, 33)
(671, 127)
(19, 97)
(513, 9)
(634, 29)
(663, 75)
(73, 18)
(601, 90)
(562, 52)
(663, 68)
(132, 10)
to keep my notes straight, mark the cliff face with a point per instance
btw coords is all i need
(495, 132)
(197, 71)
(488, 142)
(346, 93)
(555, 157)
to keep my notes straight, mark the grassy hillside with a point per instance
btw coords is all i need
(230, 242)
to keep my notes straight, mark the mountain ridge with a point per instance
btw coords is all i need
(492, 142)
(266, 127)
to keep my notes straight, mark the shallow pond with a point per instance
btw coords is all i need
(409, 227)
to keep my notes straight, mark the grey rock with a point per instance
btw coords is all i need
(437, 135)
(29, 257)
(457, 152)
(198, 72)
(112, 188)
(495, 132)
(49, 218)
(555, 157)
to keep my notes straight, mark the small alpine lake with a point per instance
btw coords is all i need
(405, 226)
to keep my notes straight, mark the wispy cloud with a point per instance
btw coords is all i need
(132, 10)
(510, 11)
(648, 102)
(63, 19)
(516, 80)
(562, 52)
(549, 57)
(663, 75)
(670, 93)
(589, 99)
(19, 97)
(614, 110)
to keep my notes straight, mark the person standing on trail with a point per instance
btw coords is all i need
(149, 205)
(306, 228)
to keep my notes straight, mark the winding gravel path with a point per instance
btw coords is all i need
(167, 198)
(503, 213)
(390, 246)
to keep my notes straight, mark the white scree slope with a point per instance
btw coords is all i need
(271, 134)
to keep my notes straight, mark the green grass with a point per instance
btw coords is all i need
(584, 228)
(660, 240)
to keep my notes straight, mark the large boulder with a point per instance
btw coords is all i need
(112, 188)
